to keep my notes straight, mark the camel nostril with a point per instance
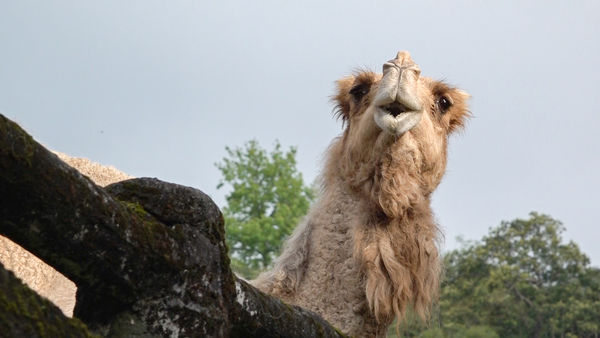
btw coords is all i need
(395, 108)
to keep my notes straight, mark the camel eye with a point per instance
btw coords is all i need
(444, 103)
(359, 91)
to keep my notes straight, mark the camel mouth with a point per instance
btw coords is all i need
(396, 119)
(395, 108)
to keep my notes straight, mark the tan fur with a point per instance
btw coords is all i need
(102, 175)
(39, 276)
(368, 248)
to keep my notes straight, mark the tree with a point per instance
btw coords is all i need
(520, 280)
(267, 200)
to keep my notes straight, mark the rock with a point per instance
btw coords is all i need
(148, 257)
(23, 313)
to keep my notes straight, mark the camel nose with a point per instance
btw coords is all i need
(403, 61)
(400, 84)
(403, 56)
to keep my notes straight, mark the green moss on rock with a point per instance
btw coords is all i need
(25, 314)
(7, 128)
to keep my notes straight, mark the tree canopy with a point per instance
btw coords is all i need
(267, 200)
(520, 280)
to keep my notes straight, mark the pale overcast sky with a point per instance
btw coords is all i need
(159, 88)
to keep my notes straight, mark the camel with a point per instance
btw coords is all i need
(368, 248)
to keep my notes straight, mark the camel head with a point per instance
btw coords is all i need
(399, 118)
(400, 98)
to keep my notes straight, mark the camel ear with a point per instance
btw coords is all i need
(343, 97)
(459, 114)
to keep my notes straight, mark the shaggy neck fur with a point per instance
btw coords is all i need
(367, 248)
(395, 241)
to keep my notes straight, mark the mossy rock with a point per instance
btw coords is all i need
(23, 313)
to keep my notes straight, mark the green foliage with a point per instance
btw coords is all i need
(267, 200)
(520, 280)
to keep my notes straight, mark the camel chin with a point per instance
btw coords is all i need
(396, 125)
